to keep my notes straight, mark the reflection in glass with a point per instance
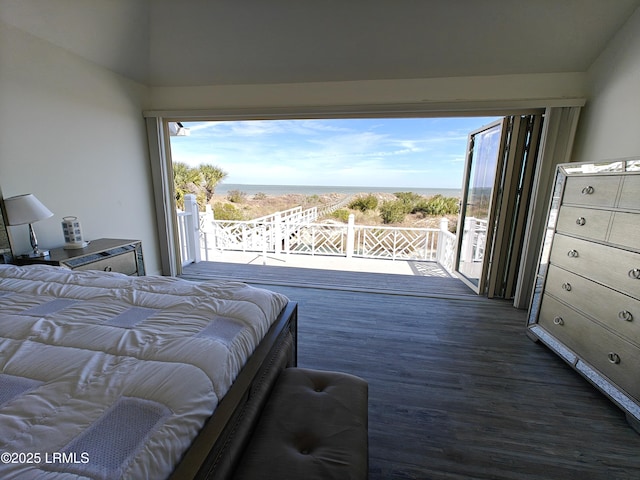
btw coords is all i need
(481, 171)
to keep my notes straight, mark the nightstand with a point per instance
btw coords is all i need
(107, 254)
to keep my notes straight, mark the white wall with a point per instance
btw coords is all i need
(610, 124)
(72, 133)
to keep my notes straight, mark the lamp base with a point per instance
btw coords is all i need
(39, 254)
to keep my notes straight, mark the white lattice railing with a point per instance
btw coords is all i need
(188, 231)
(426, 244)
(293, 232)
(316, 239)
(447, 244)
(396, 243)
(294, 215)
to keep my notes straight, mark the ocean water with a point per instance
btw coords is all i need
(224, 188)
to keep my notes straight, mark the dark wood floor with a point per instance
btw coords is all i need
(457, 390)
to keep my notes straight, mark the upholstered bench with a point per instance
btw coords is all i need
(314, 426)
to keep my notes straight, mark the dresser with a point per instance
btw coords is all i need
(106, 254)
(586, 302)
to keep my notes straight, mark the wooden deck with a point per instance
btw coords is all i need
(430, 285)
(456, 389)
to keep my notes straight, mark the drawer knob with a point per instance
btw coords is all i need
(581, 221)
(558, 321)
(587, 190)
(566, 287)
(635, 273)
(625, 315)
(613, 357)
(108, 268)
(572, 253)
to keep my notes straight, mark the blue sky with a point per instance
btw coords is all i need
(418, 152)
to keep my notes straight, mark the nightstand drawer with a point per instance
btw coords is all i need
(106, 254)
(123, 263)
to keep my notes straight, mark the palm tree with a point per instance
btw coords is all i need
(185, 180)
(200, 181)
(211, 176)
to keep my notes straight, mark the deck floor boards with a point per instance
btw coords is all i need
(456, 389)
(323, 279)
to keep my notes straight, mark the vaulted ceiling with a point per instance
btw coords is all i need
(219, 42)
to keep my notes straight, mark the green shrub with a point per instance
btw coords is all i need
(226, 211)
(393, 211)
(260, 196)
(368, 202)
(438, 205)
(236, 196)
(408, 199)
(341, 214)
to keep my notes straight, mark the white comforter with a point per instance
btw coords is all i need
(108, 376)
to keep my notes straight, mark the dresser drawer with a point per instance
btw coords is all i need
(629, 194)
(617, 311)
(611, 355)
(592, 191)
(123, 263)
(584, 222)
(613, 267)
(625, 230)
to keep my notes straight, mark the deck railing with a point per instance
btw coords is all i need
(294, 232)
(189, 231)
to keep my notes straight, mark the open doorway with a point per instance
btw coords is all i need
(555, 147)
(338, 166)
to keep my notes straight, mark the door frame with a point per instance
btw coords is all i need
(555, 148)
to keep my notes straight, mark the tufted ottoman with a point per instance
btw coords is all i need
(313, 427)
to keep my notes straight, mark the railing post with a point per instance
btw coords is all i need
(440, 249)
(287, 235)
(350, 235)
(264, 243)
(192, 227)
(277, 233)
(205, 220)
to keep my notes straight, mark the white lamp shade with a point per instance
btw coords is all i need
(26, 208)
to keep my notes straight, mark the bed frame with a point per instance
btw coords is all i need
(216, 450)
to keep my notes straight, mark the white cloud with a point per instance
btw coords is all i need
(419, 152)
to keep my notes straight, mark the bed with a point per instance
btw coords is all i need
(108, 376)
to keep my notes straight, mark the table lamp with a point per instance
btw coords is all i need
(23, 209)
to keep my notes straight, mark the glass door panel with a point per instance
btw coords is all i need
(486, 148)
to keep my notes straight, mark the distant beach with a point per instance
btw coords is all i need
(224, 188)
